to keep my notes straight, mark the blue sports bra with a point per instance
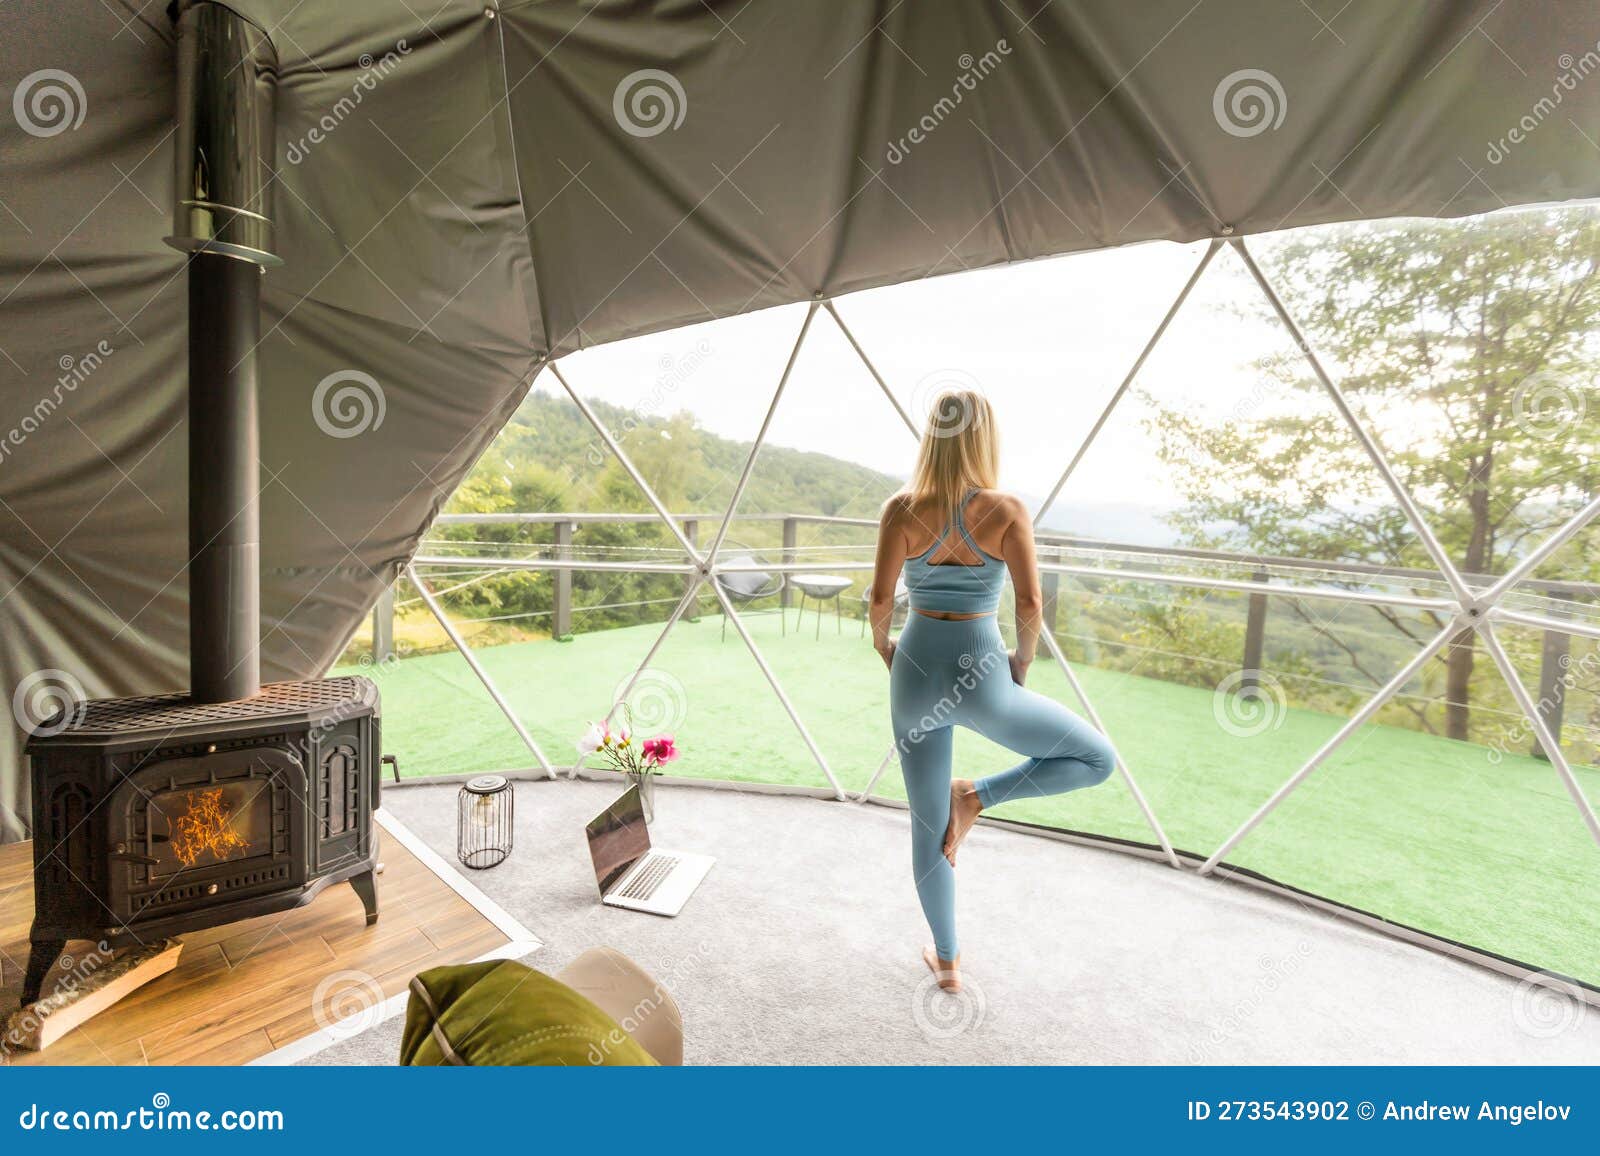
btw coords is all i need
(956, 587)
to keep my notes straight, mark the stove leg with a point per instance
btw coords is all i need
(42, 955)
(366, 885)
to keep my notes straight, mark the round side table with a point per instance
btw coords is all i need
(819, 588)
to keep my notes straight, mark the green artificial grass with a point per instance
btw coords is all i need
(1418, 829)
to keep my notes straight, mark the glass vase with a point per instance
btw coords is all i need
(646, 783)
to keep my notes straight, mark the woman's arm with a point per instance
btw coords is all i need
(891, 556)
(1017, 550)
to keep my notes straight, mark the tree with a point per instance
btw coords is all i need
(1469, 347)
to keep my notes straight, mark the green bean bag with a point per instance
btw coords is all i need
(504, 1013)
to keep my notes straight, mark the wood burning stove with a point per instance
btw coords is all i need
(163, 814)
(155, 816)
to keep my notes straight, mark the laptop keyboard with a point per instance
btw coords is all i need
(644, 884)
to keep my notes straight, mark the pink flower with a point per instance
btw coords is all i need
(660, 749)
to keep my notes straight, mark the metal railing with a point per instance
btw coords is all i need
(1260, 578)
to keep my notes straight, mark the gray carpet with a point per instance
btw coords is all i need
(802, 948)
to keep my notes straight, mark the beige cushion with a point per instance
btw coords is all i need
(628, 994)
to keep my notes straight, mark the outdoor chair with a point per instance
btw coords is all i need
(902, 599)
(744, 587)
(820, 588)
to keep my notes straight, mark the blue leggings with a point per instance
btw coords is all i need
(951, 673)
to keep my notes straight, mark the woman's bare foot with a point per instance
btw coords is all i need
(946, 971)
(964, 808)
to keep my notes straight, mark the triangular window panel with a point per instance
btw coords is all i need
(685, 406)
(1477, 842)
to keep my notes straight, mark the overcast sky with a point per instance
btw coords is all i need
(1046, 341)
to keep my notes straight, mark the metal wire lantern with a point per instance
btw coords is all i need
(484, 810)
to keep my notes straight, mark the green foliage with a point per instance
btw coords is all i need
(549, 459)
(1471, 348)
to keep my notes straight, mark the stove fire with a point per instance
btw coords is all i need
(206, 828)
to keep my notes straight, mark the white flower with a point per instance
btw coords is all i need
(591, 739)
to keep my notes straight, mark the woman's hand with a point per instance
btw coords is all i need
(886, 652)
(1019, 668)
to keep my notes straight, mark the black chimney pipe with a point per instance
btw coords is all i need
(227, 79)
(224, 446)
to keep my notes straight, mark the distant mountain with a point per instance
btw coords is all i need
(1111, 521)
(548, 458)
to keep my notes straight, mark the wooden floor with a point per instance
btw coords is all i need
(244, 990)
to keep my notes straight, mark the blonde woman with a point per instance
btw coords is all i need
(956, 537)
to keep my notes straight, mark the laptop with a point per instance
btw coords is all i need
(630, 872)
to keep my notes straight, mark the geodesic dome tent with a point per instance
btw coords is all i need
(462, 199)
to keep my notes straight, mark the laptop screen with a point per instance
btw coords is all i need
(618, 838)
